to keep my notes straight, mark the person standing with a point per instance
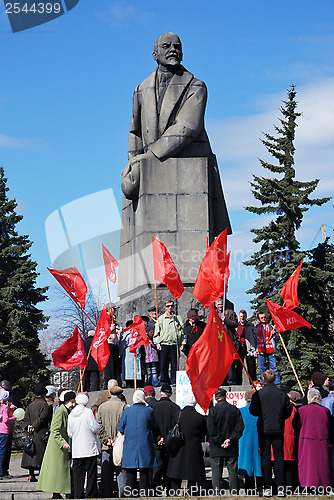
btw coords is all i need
(188, 461)
(5, 427)
(247, 348)
(193, 329)
(314, 451)
(137, 425)
(91, 378)
(272, 406)
(230, 322)
(225, 428)
(266, 347)
(108, 416)
(5, 385)
(55, 470)
(169, 337)
(112, 369)
(82, 427)
(36, 421)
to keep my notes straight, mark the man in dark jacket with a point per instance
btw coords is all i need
(166, 414)
(272, 406)
(193, 329)
(91, 378)
(230, 322)
(225, 427)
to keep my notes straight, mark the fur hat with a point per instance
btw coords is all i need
(69, 395)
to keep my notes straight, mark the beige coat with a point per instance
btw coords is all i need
(108, 416)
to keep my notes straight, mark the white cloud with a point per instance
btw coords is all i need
(21, 143)
(122, 12)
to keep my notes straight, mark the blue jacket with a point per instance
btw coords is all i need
(137, 424)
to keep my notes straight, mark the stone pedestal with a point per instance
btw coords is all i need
(182, 204)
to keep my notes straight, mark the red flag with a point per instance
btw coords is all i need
(209, 360)
(165, 270)
(284, 318)
(138, 334)
(209, 283)
(71, 353)
(72, 282)
(110, 264)
(289, 290)
(100, 348)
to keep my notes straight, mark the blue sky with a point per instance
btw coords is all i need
(66, 95)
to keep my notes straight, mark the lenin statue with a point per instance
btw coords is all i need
(171, 183)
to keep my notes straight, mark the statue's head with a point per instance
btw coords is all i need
(167, 51)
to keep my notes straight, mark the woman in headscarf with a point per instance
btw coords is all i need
(36, 421)
(137, 424)
(55, 471)
(314, 455)
(188, 462)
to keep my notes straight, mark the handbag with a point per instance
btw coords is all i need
(117, 451)
(29, 445)
(174, 438)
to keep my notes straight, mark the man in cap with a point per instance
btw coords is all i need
(225, 427)
(152, 312)
(193, 329)
(150, 396)
(108, 416)
(166, 414)
(106, 395)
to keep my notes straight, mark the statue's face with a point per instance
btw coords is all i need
(169, 51)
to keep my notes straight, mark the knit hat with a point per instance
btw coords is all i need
(40, 390)
(69, 395)
(82, 399)
(4, 396)
(318, 378)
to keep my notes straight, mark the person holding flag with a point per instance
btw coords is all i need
(266, 347)
(169, 338)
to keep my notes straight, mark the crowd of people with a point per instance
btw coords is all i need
(277, 431)
(170, 340)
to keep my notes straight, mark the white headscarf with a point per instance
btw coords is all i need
(314, 396)
(139, 397)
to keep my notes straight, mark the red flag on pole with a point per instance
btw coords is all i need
(100, 348)
(165, 270)
(209, 283)
(138, 334)
(284, 318)
(71, 353)
(72, 282)
(227, 271)
(289, 290)
(110, 264)
(209, 360)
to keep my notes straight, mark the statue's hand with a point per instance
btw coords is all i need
(131, 175)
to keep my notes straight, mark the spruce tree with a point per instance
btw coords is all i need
(21, 361)
(286, 199)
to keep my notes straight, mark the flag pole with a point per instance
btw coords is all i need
(290, 361)
(156, 298)
(203, 313)
(82, 309)
(135, 370)
(83, 371)
(80, 380)
(244, 367)
(111, 314)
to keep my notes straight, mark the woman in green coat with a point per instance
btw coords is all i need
(55, 471)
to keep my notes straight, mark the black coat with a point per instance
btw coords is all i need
(272, 406)
(38, 415)
(92, 364)
(188, 463)
(224, 422)
(192, 333)
(166, 414)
